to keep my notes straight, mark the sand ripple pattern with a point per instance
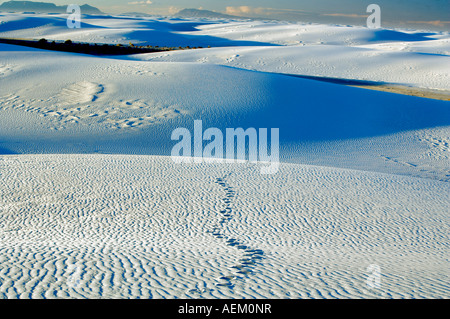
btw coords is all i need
(87, 104)
(104, 226)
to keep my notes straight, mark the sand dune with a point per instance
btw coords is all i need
(132, 107)
(408, 57)
(92, 206)
(140, 226)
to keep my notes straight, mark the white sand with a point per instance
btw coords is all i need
(90, 104)
(138, 226)
(364, 179)
(409, 57)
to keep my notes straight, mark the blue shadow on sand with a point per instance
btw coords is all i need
(4, 151)
(391, 35)
(334, 112)
(310, 110)
(139, 31)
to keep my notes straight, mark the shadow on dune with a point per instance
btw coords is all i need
(167, 26)
(307, 110)
(330, 111)
(431, 54)
(336, 80)
(162, 33)
(391, 35)
(225, 97)
(38, 22)
(170, 39)
(138, 31)
(4, 151)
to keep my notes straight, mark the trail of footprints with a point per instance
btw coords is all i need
(244, 266)
(422, 170)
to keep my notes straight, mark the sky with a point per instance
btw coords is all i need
(401, 12)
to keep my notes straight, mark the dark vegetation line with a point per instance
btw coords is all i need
(91, 48)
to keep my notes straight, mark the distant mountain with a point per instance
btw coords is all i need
(136, 14)
(87, 9)
(43, 7)
(196, 13)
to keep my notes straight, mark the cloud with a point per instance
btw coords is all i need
(140, 2)
(242, 10)
(260, 11)
(346, 15)
(436, 23)
(173, 10)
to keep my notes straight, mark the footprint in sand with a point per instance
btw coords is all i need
(437, 143)
(5, 69)
(245, 266)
